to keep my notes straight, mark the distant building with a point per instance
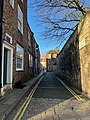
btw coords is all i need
(37, 59)
(51, 59)
(43, 63)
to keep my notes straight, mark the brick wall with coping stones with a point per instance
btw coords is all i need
(84, 35)
(10, 26)
(68, 61)
(73, 62)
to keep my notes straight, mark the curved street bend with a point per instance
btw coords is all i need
(53, 101)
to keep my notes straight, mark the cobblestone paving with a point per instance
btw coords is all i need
(57, 109)
(52, 101)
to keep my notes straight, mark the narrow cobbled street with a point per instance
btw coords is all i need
(52, 101)
(45, 60)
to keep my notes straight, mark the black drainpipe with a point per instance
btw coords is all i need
(1, 31)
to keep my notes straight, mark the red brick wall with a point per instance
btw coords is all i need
(11, 27)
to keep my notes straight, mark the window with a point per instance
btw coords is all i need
(12, 3)
(20, 20)
(30, 61)
(48, 61)
(49, 56)
(19, 57)
(54, 55)
(29, 38)
(8, 38)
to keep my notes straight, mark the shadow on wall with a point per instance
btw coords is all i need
(73, 62)
(68, 62)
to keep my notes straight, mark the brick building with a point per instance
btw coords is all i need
(18, 45)
(51, 59)
(73, 62)
(43, 63)
(37, 59)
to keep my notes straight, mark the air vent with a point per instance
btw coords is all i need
(8, 38)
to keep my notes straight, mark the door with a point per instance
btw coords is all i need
(5, 66)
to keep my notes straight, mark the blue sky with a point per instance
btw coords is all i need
(36, 28)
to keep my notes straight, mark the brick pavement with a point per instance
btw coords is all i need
(13, 97)
(57, 109)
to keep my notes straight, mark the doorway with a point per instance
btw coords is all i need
(5, 67)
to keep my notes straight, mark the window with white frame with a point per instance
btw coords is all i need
(12, 3)
(19, 57)
(30, 60)
(20, 19)
(29, 39)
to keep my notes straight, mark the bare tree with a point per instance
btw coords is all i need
(59, 18)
